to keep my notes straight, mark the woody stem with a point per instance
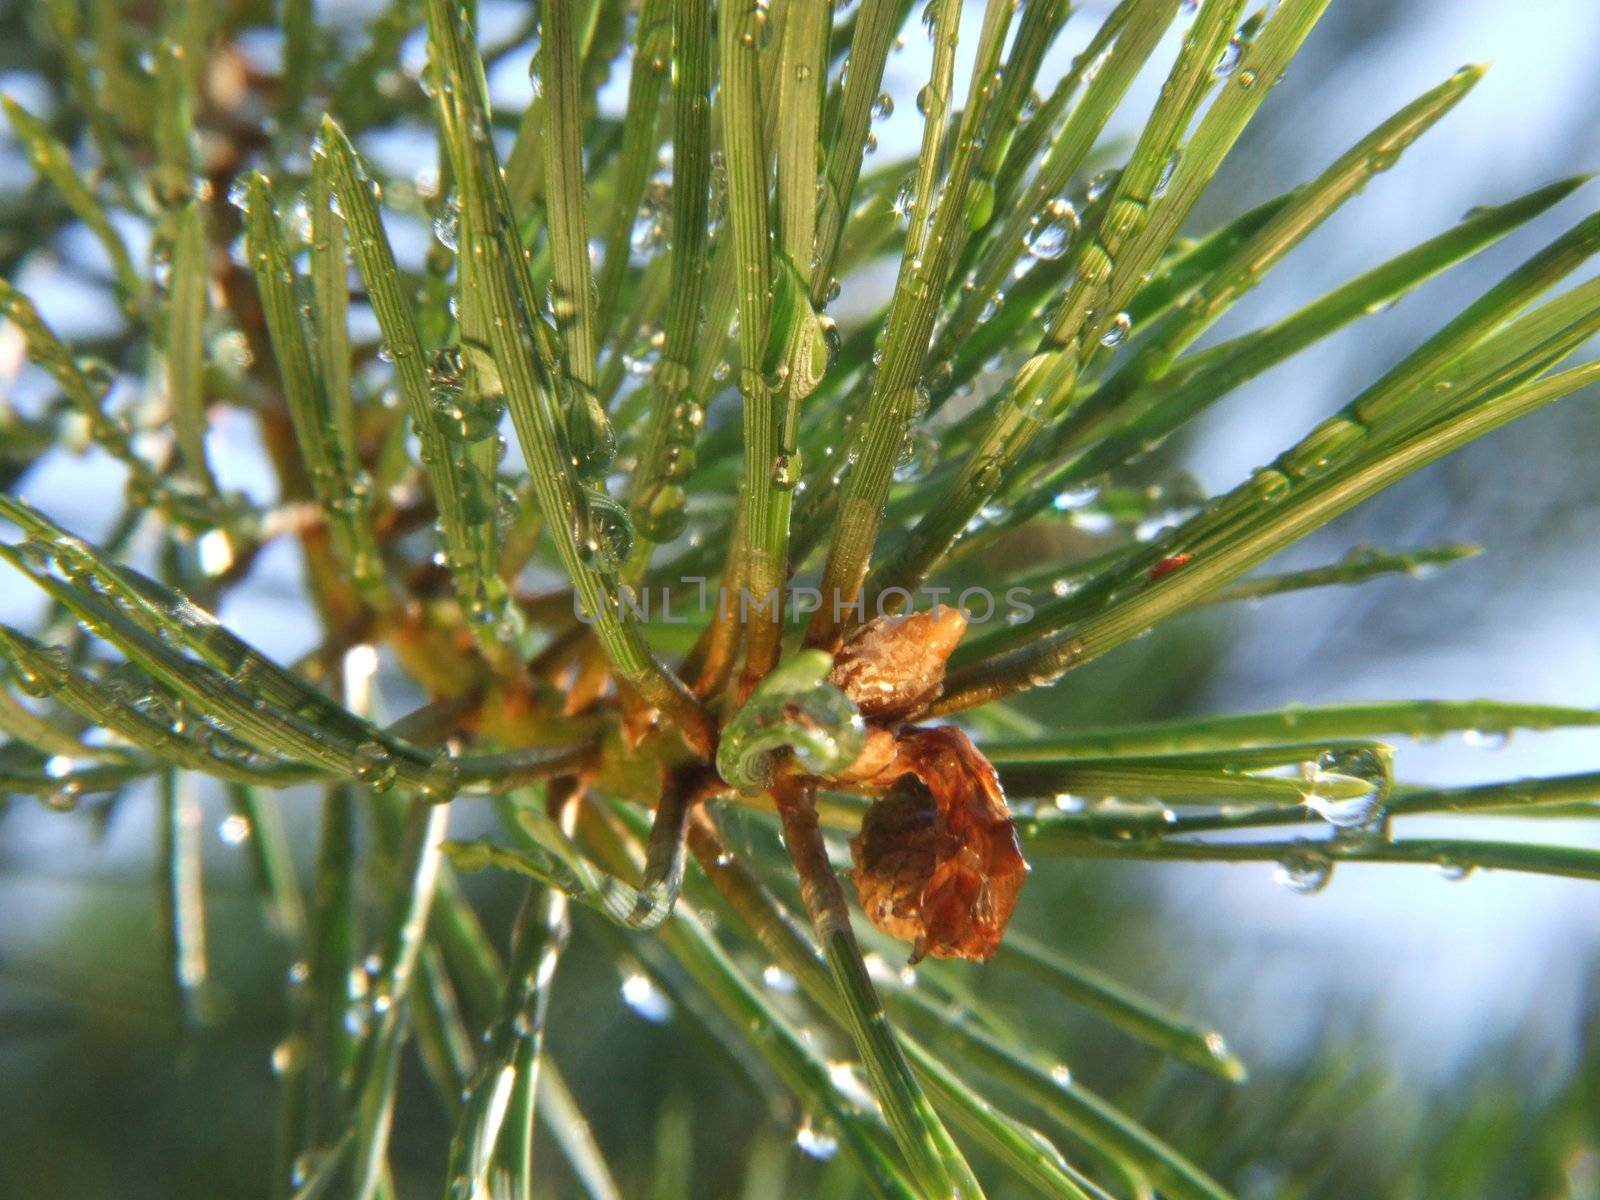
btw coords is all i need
(819, 886)
(930, 1153)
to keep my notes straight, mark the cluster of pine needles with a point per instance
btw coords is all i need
(611, 372)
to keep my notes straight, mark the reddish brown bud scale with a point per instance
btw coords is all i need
(937, 859)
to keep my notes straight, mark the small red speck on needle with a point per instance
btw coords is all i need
(1167, 566)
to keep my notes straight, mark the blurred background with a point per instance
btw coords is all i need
(1407, 1035)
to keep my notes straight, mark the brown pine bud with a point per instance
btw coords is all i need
(893, 667)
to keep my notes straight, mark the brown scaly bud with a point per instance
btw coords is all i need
(937, 858)
(893, 668)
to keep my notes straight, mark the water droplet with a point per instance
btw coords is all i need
(640, 993)
(1053, 230)
(1076, 497)
(235, 830)
(1269, 485)
(447, 226)
(603, 531)
(589, 434)
(903, 201)
(1167, 173)
(815, 1143)
(1305, 871)
(1348, 787)
(776, 978)
(662, 511)
(650, 226)
(918, 453)
(1229, 60)
(64, 798)
(1117, 332)
(375, 766)
(1487, 739)
(285, 1056)
(986, 476)
(214, 552)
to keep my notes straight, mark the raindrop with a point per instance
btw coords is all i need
(214, 550)
(64, 798)
(647, 1000)
(662, 511)
(776, 978)
(1167, 172)
(1052, 231)
(1231, 54)
(1348, 787)
(285, 1056)
(917, 454)
(1117, 332)
(650, 226)
(375, 766)
(447, 226)
(602, 530)
(814, 1143)
(986, 476)
(1304, 871)
(1269, 485)
(902, 203)
(589, 434)
(1076, 497)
